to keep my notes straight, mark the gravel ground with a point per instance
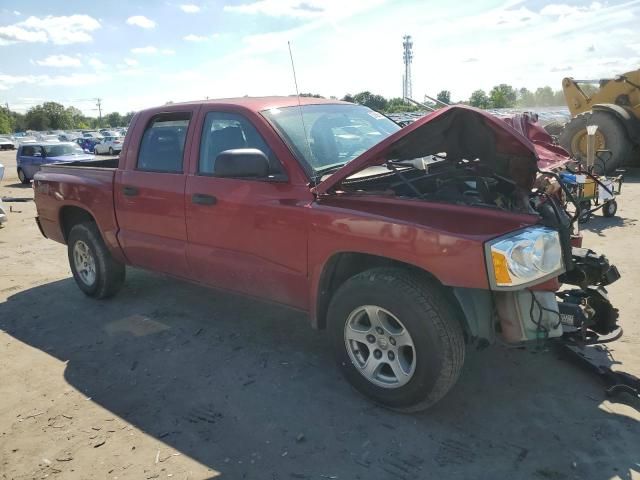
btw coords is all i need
(171, 380)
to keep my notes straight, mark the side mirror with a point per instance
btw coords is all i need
(241, 162)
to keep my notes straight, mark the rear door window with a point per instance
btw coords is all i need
(162, 146)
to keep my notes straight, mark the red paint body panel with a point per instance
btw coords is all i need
(268, 239)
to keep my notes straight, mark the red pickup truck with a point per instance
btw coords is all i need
(406, 244)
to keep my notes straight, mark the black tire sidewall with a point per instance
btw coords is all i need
(615, 140)
(24, 180)
(610, 208)
(430, 350)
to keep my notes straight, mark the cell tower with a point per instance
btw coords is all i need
(407, 56)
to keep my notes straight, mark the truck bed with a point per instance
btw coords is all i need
(110, 163)
(84, 184)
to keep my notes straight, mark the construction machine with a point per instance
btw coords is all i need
(614, 107)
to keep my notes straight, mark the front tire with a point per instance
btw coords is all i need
(95, 271)
(23, 177)
(110, 151)
(396, 338)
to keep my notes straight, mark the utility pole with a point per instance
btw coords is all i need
(407, 56)
(99, 105)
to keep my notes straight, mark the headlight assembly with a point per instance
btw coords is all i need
(533, 254)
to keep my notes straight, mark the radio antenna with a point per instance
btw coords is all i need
(295, 82)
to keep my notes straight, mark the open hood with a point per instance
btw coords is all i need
(462, 132)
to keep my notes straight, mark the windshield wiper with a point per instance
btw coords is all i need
(319, 172)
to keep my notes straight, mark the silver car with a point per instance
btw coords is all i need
(110, 145)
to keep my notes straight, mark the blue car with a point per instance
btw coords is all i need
(88, 144)
(31, 156)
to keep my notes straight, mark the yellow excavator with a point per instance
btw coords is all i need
(614, 106)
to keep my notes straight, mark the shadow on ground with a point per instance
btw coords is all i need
(226, 380)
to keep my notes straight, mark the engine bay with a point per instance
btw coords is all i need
(465, 182)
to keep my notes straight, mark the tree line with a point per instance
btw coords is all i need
(500, 96)
(54, 116)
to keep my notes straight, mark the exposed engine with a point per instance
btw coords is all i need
(511, 184)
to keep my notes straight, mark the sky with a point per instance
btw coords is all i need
(143, 53)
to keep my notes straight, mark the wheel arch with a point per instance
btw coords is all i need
(71, 215)
(343, 265)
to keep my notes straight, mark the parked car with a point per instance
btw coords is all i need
(31, 157)
(405, 250)
(47, 137)
(109, 133)
(3, 213)
(68, 137)
(87, 144)
(92, 135)
(110, 145)
(6, 144)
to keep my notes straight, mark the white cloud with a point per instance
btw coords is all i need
(131, 62)
(97, 64)
(141, 21)
(62, 30)
(564, 10)
(17, 13)
(151, 50)
(331, 10)
(72, 80)
(144, 50)
(59, 61)
(195, 38)
(190, 8)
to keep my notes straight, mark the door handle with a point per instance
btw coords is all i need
(202, 199)
(130, 191)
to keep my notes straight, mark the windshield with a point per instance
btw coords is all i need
(60, 150)
(336, 134)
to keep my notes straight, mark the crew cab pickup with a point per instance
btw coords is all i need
(406, 244)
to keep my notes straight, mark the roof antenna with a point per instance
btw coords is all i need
(295, 81)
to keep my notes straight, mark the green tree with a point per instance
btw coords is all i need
(526, 98)
(399, 105)
(479, 99)
(368, 99)
(544, 97)
(114, 119)
(444, 96)
(558, 98)
(126, 118)
(503, 96)
(37, 119)
(76, 117)
(5, 121)
(348, 98)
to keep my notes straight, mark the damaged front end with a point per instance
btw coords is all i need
(467, 157)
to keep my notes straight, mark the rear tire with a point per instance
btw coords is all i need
(406, 302)
(95, 271)
(23, 177)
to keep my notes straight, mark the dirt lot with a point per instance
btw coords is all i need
(170, 380)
